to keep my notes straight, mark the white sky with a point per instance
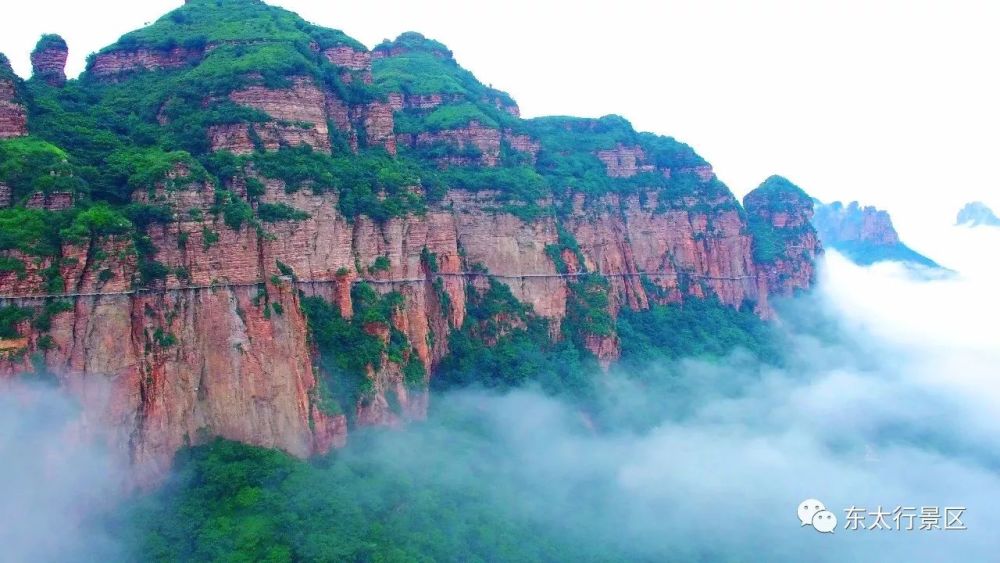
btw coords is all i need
(890, 102)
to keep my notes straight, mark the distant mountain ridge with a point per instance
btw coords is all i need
(977, 213)
(865, 235)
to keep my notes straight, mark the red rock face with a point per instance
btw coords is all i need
(356, 63)
(50, 65)
(378, 124)
(485, 140)
(115, 63)
(299, 114)
(623, 162)
(55, 201)
(606, 348)
(524, 144)
(792, 270)
(400, 101)
(13, 115)
(182, 365)
(233, 137)
(349, 58)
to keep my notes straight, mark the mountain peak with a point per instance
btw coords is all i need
(48, 60)
(863, 234)
(410, 41)
(977, 213)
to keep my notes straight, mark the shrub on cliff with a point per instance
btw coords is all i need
(31, 231)
(96, 221)
(502, 345)
(29, 164)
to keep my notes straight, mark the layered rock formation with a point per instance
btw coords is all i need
(116, 63)
(13, 114)
(474, 144)
(48, 60)
(863, 234)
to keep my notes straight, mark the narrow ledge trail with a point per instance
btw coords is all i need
(426, 279)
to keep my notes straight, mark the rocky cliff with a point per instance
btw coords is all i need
(785, 242)
(13, 114)
(48, 60)
(863, 234)
(294, 253)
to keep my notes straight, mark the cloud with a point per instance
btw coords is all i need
(898, 411)
(54, 482)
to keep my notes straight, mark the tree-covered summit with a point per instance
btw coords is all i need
(201, 22)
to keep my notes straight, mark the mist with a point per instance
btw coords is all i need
(55, 482)
(886, 397)
(896, 407)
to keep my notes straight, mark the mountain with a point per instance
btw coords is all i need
(237, 223)
(977, 213)
(865, 235)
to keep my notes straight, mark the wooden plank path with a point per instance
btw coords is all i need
(425, 279)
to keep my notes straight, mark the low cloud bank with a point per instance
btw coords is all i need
(54, 482)
(899, 410)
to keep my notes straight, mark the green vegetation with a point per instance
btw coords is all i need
(381, 264)
(31, 231)
(566, 242)
(587, 309)
(49, 41)
(43, 319)
(8, 264)
(696, 328)
(99, 220)
(233, 502)
(348, 348)
(448, 116)
(361, 180)
(200, 22)
(29, 164)
(10, 317)
(768, 242)
(775, 195)
(275, 212)
(503, 345)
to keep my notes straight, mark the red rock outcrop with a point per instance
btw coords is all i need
(48, 60)
(347, 57)
(624, 162)
(483, 141)
(13, 115)
(356, 62)
(54, 201)
(378, 124)
(400, 101)
(779, 215)
(300, 117)
(523, 143)
(299, 114)
(115, 63)
(606, 348)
